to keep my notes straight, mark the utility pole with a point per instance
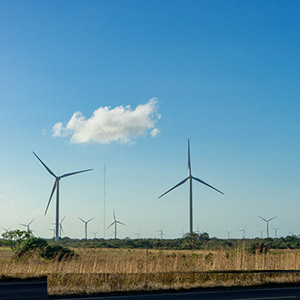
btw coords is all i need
(104, 195)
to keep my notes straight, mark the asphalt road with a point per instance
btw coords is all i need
(237, 294)
(24, 290)
(38, 290)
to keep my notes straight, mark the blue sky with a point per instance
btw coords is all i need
(223, 73)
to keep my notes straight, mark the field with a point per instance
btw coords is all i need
(107, 270)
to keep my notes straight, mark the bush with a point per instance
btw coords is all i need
(23, 242)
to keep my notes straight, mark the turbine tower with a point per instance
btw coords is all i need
(56, 186)
(261, 233)
(85, 225)
(115, 222)
(161, 233)
(267, 221)
(228, 233)
(276, 230)
(190, 178)
(27, 225)
(244, 231)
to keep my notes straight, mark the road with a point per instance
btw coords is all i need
(24, 290)
(38, 290)
(237, 294)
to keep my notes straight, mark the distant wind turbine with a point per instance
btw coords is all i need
(115, 222)
(267, 221)
(6, 229)
(228, 233)
(244, 231)
(161, 232)
(85, 225)
(138, 234)
(95, 234)
(56, 186)
(53, 230)
(190, 178)
(276, 230)
(61, 230)
(27, 225)
(261, 233)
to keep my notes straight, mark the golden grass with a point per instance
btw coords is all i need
(106, 270)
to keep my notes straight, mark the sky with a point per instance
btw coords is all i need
(125, 84)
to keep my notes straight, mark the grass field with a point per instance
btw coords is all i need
(106, 270)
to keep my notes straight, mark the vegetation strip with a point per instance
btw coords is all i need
(60, 284)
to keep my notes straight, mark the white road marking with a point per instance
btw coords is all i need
(267, 298)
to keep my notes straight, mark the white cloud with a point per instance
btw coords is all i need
(120, 124)
(155, 132)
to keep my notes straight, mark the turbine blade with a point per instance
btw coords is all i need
(272, 219)
(90, 219)
(201, 181)
(30, 222)
(263, 218)
(114, 215)
(52, 192)
(81, 219)
(62, 219)
(174, 187)
(121, 223)
(44, 165)
(189, 158)
(110, 225)
(73, 173)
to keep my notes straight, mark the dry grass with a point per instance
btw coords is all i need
(106, 270)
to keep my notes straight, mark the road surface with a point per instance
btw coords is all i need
(24, 290)
(236, 294)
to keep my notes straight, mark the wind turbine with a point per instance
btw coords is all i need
(95, 234)
(138, 235)
(53, 230)
(244, 231)
(85, 225)
(27, 225)
(161, 232)
(56, 186)
(61, 230)
(228, 233)
(115, 222)
(6, 229)
(190, 178)
(261, 233)
(267, 221)
(276, 230)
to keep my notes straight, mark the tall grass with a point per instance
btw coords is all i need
(136, 264)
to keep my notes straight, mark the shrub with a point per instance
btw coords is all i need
(23, 242)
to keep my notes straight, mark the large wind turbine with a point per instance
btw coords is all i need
(190, 178)
(115, 222)
(267, 221)
(56, 186)
(85, 225)
(27, 225)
